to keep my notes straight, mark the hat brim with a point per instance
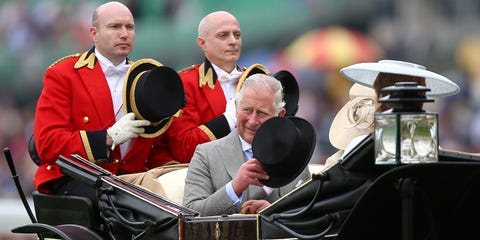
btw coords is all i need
(366, 73)
(135, 69)
(253, 69)
(284, 146)
(157, 129)
(291, 92)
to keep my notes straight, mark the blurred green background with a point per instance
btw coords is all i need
(439, 34)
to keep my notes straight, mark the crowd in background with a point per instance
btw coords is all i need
(437, 34)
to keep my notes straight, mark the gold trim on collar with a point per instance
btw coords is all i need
(187, 68)
(205, 78)
(63, 58)
(86, 60)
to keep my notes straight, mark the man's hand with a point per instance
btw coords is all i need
(248, 174)
(231, 114)
(254, 206)
(126, 128)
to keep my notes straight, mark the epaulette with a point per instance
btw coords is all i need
(187, 68)
(87, 59)
(206, 77)
(63, 58)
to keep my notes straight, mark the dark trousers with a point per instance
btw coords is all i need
(72, 187)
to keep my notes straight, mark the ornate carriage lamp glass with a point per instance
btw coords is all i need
(405, 133)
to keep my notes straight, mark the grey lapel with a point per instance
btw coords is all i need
(231, 151)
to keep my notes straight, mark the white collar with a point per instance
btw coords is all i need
(245, 146)
(220, 72)
(104, 62)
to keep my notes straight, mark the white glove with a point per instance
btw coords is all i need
(126, 128)
(231, 114)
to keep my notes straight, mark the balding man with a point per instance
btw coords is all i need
(210, 87)
(80, 108)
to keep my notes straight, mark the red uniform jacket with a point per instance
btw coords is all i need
(73, 112)
(202, 119)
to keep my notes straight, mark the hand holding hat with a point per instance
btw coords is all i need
(126, 128)
(250, 172)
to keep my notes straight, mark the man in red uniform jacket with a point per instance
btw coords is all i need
(210, 87)
(80, 108)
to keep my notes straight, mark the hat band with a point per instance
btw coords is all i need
(361, 112)
(163, 128)
(154, 124)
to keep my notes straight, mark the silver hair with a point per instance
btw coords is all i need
(266, 82)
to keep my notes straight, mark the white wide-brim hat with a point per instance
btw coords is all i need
(366, 73)
(355, 118)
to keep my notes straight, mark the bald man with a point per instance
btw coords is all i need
(210, 87)
(80, 108)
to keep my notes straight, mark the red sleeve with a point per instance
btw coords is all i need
(199, 122)
(53, 131)
(58, 128)
(184, 134)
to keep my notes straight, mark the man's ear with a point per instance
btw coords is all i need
(282, 112)
(201, 43)
(93, 33)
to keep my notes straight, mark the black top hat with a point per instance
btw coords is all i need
(291, 92)
(284, 146)
(153, 92)
(255, 68)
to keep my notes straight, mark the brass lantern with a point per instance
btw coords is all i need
(405, 133)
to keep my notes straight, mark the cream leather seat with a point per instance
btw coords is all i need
(315, 167)
(173, 184)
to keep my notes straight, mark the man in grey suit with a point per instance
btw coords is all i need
(222, 177)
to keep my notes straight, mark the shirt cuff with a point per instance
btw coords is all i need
(232, 195)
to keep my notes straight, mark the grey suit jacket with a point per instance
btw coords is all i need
(213, 165)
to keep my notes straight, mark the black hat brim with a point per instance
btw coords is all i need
(253, 69)
(291, 92)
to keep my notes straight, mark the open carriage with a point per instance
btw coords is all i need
(353, 199)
